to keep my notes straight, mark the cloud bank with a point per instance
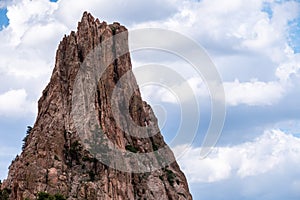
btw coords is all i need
(255, 169)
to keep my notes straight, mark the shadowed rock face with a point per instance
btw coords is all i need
(57, 160)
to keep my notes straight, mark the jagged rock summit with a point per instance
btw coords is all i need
(56, 159)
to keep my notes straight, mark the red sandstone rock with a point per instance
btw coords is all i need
(55, 160)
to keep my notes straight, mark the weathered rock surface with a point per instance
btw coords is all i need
(54, 159)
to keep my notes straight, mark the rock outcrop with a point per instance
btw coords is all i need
(59, 158)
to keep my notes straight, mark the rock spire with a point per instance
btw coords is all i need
(62, 156)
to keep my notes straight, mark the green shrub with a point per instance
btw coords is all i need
(4, 194)
(131, 148)
(154, 147)
(47, 196)
(170, 176)
(25, 139)
(59, 197)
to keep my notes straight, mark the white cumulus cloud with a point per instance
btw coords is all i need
(246, 44)
(253, 93)
(15, 103)
(272, 151)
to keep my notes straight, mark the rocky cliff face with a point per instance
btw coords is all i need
(83, 149)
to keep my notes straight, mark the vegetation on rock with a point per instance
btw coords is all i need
(4, 194)
(25, 140)
(47, 196)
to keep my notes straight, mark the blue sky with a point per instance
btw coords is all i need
(256, 49)
(3, 18)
